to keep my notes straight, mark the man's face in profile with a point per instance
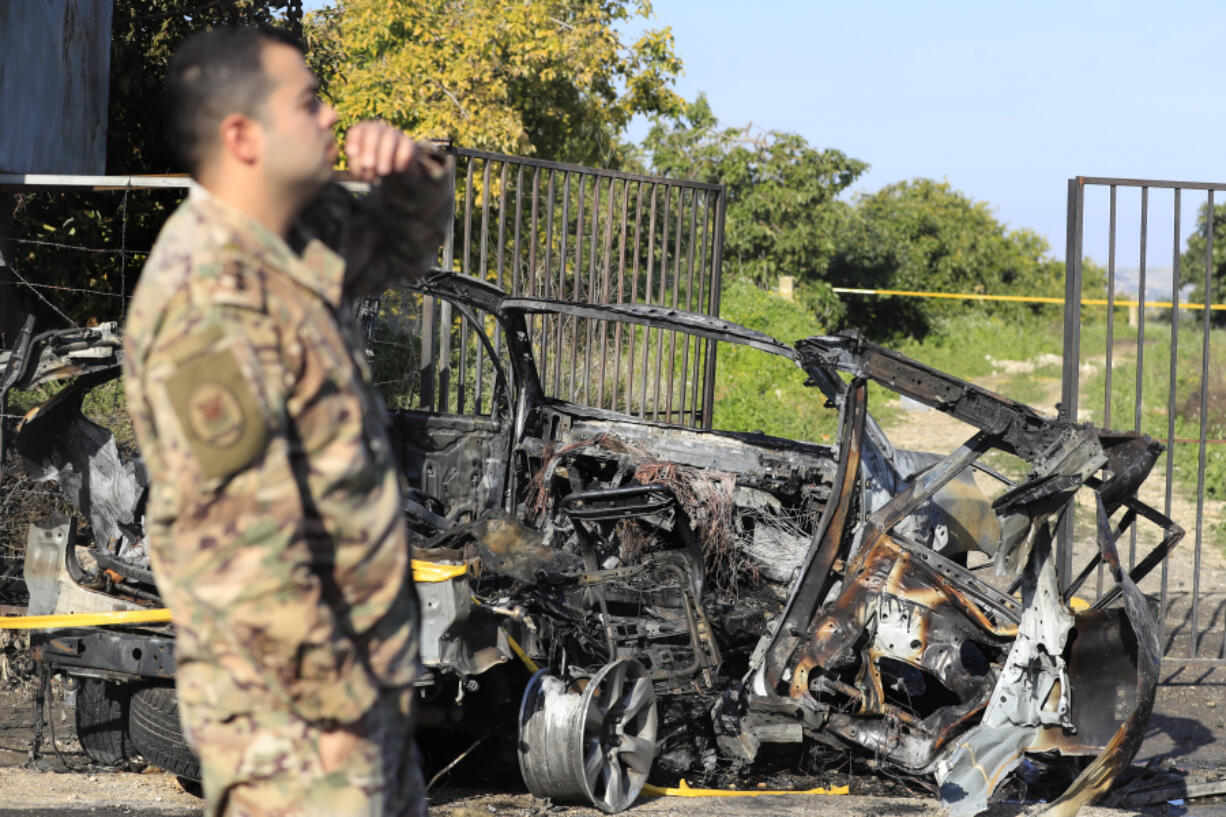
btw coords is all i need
(300, 147)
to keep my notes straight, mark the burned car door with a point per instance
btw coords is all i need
(451, 429)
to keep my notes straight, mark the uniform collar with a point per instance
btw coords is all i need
(318, 268)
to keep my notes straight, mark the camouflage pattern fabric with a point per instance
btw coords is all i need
(267, 764)
(274, 519)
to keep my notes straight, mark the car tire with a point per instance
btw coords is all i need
(157, 733)
(102, 722)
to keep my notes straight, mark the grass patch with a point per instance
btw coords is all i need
(756, 391)
(105, 405)
(967, 345)
(1159, 414)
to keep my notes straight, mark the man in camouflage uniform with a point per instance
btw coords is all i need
(274, 517)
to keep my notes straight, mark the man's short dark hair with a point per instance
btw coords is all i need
(213, 74)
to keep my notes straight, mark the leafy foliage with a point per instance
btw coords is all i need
(924, 235)
(546, 77)
(756, 391)
(782, 214)
(1192, 264)
(74, 240)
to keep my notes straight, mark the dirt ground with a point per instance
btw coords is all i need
(1186, 732)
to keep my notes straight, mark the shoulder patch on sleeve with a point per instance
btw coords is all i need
(218, 411)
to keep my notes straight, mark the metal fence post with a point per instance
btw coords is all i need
(717, 277)
(9, 320)
(1072, 353)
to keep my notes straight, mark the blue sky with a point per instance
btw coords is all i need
(1006, 101)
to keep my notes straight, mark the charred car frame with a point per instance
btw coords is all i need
(609, 566)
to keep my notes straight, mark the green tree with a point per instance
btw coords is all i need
(547, 77)
(781, 214)
(1192, 263)
(924, 235)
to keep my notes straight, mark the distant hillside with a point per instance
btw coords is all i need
(1157, 282)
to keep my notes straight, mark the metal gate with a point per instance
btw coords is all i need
(565, 232)
(534, 228)
(1156, 376)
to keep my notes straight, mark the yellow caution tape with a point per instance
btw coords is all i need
(523, 656)
(158, 615)
(683, 790)
(1030, 299)
(427, 572)
(423, 571)
(515, 647)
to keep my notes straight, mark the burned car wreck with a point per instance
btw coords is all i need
(605, 576)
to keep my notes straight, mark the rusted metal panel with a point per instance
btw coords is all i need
(54, 76)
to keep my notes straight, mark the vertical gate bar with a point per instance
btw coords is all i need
(1204, 415)
(1170, 407)
(1170, 401)
(548, 283)
(576, 274)
(562, 276)
(634, 295)
(1171, 383)
(717, 279)
(660, 300)
(517, 286)
(1073, 357)
(589, 324)
(533, 323)
(530, 272)
(672, 335)
(429, 324)
(1139, 393)
(1110, 345)
(484, 256)
(462, 380)
(534, 218)
(605, 273)
(1072, 352)
(1110, 310)
(443, 398)
(593, 243)
(500, 244)
(651, 247)
(426, 365)
(689, 301)
(702, 282)
(621, 295)
(501, 249)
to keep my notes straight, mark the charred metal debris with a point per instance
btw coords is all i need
(794, 593)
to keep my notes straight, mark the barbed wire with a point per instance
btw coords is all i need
(42, 298)
(123, 248)
(60, 288)
(103, 250)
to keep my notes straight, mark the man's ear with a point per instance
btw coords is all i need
(241, 137)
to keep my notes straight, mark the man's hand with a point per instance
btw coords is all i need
(374, 148)
(337, 746)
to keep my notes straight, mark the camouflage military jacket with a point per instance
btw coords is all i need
(274, 518)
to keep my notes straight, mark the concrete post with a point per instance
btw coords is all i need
(787, 284)
(10, 300)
